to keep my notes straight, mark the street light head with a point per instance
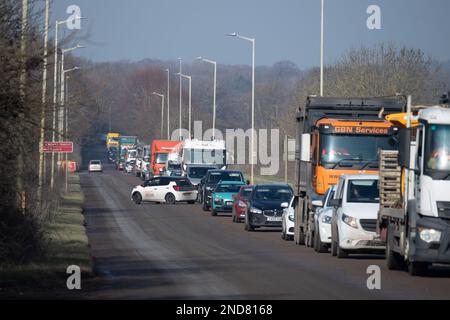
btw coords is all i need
(234, 34)
(199, 58)
(80, 46)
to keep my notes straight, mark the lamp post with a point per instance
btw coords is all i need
(168, 104)
(162, 111)
(252, 140)
(321, 46)
(63, 73)
(179, 59)
(55, 95)
(190, 101)
(214, 63)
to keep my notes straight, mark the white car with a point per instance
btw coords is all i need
(287, 229)
(353, 226)
(165, 189)
(95, 166)
(322, 223)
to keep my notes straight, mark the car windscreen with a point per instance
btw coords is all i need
(363, 191)
(198, 172)
(161, 158)
(215, 177)
(183, 182)
(273, 194)
(174, 166)
(95, 162)
(232, 188)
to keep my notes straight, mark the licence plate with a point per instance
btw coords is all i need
(274, 218)
(187, 193)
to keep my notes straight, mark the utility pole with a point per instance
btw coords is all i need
(168, 104)
(180, 98)
(321, 46)
(44, 102)
(214, 63)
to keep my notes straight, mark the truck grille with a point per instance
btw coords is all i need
(443, 209)
(273, 213)
(369, 224)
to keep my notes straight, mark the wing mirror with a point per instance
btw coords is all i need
(247, 182)
(335, 203)
(285, 205)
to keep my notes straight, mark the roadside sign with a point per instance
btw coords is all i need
(72, 166)
(58, 147)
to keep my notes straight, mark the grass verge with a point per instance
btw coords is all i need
(67, 245)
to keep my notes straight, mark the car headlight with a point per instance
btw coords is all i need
(161, 169)
(429, 235)
(291, 217)
(350, 221)
(326, 219)
(208, 188)
(242, 204)
(218, 200)
(255, 210)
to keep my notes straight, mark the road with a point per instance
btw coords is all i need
(153, 251)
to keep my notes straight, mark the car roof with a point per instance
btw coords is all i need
(267, 185)
(232, 182)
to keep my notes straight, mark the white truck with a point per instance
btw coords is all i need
(414, 215)
(197, 152)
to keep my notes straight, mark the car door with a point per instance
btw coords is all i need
(162, 188)
(150, 189)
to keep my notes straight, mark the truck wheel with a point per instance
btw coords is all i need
(137, 198)
(205, 207)
(417, 268)
(394, 260)
(170, 198)
(213, 212)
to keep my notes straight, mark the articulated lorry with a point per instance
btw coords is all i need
(337, 136)
(414, 215)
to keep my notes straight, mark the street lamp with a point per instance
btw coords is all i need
(321, 47)
(162, 111)
(63, 73)
(168, 104)
(190, 100)
(55, 86)
(179, 59)
(252, 140)
(214, 98)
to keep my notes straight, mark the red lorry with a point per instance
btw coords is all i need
(161, 151)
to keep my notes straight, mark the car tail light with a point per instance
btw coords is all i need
(176, 188)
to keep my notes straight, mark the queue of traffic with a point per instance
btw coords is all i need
(372, 176)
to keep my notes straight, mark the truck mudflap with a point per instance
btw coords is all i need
(431, 252)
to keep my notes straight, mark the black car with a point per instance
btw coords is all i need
(210, 181)
(264, 205)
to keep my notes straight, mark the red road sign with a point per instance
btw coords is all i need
(58, 147)
(72, 166)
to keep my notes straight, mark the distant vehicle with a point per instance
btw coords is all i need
(172, 168)
(111, 140)
(322, 222)
(129, 166)
(95, 166)
(240, 203)
(353, 227)
(210, 181)
(198, 152)
(161, 150)
(287, 225)
(264, 205)
(195, 173)
(120, 164)
(165, 189)
(222, 196)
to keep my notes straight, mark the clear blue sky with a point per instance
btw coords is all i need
(284, 29)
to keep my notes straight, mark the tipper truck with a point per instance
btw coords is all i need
(337, 136)
(414, 215)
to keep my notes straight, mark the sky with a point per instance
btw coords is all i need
(284, 29)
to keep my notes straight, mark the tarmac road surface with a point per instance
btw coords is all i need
(159, 251)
